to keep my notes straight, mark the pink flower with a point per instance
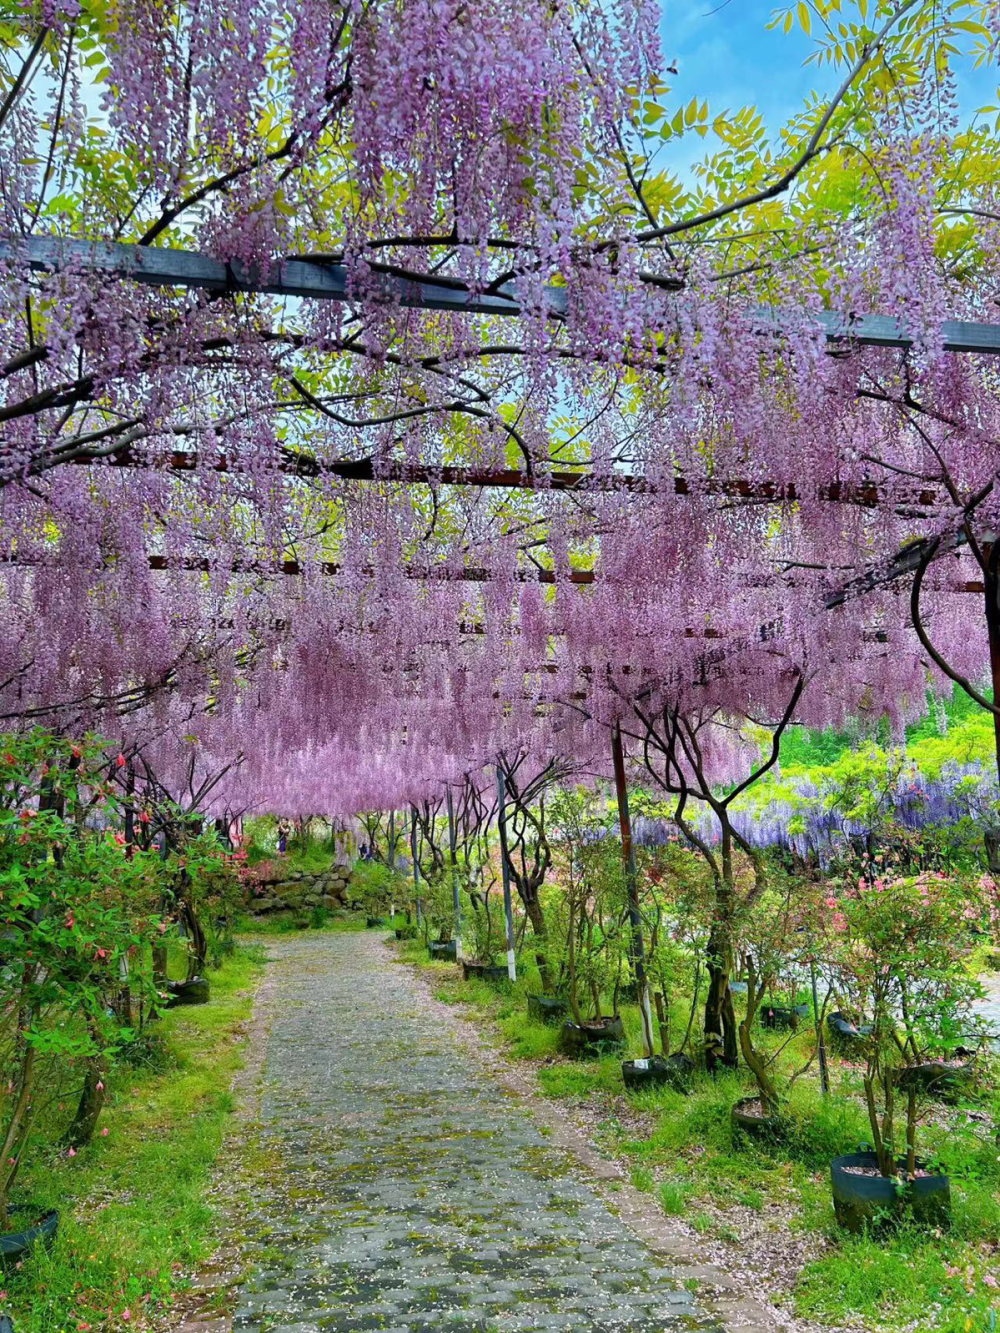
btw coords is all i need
(71, 1152)
(126, 1314)
(100, 1085)
(104, 1132)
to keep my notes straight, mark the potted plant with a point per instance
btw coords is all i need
(900, 959)
(438, 915)
(771, 929)
(673, 954)
(483, 923)
(595, 897)
(372, 882)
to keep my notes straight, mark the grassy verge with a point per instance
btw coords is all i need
(683, 1149)
(290, 923)
(134, 1213)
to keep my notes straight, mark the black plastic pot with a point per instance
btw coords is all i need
(406, 932)
(5, 1325)
(671, 1070)
(783, 1016)
(371, 922)
(871, 1199)
(937, 1079)
(546, 1008)
(844, 1032)
(751, 1122)
(586, 1039)
(195, 991)
(444, 953)
(487, 971)
(17, 1245)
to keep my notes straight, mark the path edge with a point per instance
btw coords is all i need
(719, 1292)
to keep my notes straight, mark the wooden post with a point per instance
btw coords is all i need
(456, 897)
(508, 910)
(632, 885)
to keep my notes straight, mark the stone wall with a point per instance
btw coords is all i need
(277, 890)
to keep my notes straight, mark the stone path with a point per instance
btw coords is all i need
(408, 1191)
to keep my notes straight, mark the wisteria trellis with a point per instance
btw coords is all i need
(489, 147)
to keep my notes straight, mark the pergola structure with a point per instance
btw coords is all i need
(326, 278)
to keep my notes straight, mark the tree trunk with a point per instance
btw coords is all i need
(720, 1017)
(81, 1131)
(534, 913)
(17, 1131)
(574, 1000)
(755, 1063)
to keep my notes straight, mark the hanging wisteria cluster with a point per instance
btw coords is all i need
(368, 546)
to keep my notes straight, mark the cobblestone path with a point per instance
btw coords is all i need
(409, 1192)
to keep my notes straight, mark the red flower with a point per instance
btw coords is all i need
(120, 761)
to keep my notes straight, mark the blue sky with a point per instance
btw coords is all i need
(729, 56)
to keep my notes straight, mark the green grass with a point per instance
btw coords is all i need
(911, 1279)
(643, 1179)
(291, 923)
(133, 1205)
(675, 1199)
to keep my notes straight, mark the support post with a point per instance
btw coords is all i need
(991, 587)
(456, 897)
(416, 864)
(392, 866)
(824, 1076)
(632, 885)
(508, 909)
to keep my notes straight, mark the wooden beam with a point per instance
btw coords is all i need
(320, 280)
(865, 494)
(429, 573)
